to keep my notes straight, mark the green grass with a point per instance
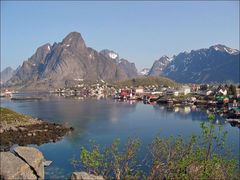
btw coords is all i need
(11, 117)
(147, 81)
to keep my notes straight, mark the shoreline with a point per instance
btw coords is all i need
(28, 130)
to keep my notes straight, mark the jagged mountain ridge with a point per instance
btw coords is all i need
(216, 64)
(126, 68)
(70, 60)
(159, 65)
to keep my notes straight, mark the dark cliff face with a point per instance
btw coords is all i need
(128, 68)
(71, 59)
(215, 64)
(125, 69)
(31, 68)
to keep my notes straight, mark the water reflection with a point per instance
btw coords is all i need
(106, 119)
(190, 112)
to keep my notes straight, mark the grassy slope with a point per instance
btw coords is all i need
(146, 81)
(11, 117)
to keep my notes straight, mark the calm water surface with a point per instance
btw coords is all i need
(105, 120)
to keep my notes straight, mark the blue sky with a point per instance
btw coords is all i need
(139, 31)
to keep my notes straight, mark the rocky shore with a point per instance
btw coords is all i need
(19, 129)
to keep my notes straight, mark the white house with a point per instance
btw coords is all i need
(223, 91)
(185, 90)
(139, 90)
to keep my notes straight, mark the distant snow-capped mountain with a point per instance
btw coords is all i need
(217, 63)
(222, 48)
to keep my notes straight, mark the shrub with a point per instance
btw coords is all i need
(202, 157)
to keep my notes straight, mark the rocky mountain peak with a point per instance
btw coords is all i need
(110, 54)
(159, 65)
(74, 39)
(223, 48)
(165, 57)
(39, 56)
(62, 63)
(46, 48)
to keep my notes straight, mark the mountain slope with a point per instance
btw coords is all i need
(126, 69)
(159, 66)
(64, 62)
(217, 63)
(6, 74)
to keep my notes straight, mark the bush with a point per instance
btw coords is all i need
(202, 157)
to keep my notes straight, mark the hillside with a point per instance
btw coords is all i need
(146, 81)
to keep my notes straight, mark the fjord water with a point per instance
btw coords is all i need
(107, 119)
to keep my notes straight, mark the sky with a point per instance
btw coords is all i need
(140, 31)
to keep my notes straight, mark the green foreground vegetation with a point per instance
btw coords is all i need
(202, 157)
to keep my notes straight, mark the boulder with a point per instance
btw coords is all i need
(33, 157)
(12, 167)
(85, 176)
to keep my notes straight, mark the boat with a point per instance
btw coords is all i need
(234, 122)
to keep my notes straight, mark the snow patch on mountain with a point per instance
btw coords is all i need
(144, 71)
(112, 55)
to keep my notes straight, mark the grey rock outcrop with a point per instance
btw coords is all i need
(85, 176)
(12, 167)
(27, 163)
(33, 157)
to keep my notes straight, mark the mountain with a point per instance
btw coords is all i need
(216, 64)
(110, 54)
(144, 72)
(126, 69)
(67, 62)
(6, 74)
(159, 65)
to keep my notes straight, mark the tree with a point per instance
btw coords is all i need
(201, 157)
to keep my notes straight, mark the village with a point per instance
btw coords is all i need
(220, 99)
